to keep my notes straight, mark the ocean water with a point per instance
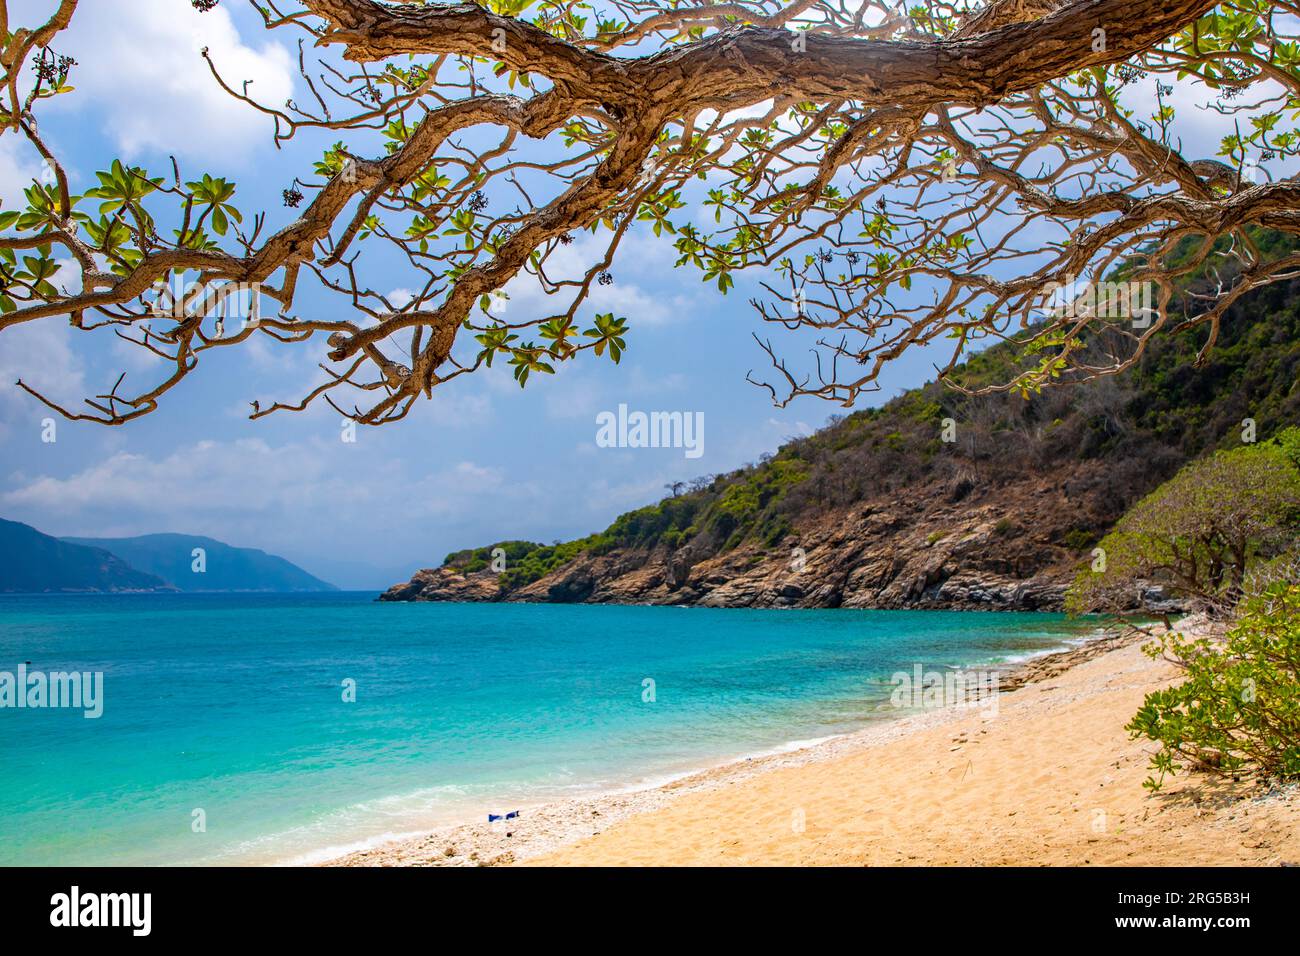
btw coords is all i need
(233, 705)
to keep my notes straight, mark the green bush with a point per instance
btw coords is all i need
(476, 559)
(1283, 569)
(1077, 539)
(1199, 533)
(1238, 711)
(1288, 442)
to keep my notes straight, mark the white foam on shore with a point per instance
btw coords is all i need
(269, 850)
(553, 793)
(325, 854)
(1063, 644)
(414, 813)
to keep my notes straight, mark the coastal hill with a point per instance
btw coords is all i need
(878, 510)
(226, 568)
(34, 562)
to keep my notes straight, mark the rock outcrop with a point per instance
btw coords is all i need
(940, 498)
(444, 584)
(990, 552)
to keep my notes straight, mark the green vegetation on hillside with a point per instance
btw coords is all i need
(1223, 535)
(525, 561)
(1142, 426)
(1203, 531)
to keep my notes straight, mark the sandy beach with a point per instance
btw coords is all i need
(1047, 778)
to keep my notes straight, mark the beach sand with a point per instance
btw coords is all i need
(1048, 778)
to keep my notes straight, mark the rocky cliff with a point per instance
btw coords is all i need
(997, 550)
(939, 499)
(882, 555)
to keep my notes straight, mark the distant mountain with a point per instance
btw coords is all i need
(225, 568)
(31, 561)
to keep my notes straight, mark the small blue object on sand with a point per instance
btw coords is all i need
(494, 817)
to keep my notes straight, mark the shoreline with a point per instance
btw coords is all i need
(546, 827)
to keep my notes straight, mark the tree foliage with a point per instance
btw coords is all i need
(1237, 712)
(893, 179)
(1200, 532)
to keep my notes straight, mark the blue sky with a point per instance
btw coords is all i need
(480, 462)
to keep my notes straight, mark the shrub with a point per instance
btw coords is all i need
(1288, 442)
(1200, 532)
(1077, 539)
(1238, 711)
(1283, 569)
(476, 559)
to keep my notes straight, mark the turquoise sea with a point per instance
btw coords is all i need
(234, 705)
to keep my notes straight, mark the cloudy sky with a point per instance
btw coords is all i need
(480, 462)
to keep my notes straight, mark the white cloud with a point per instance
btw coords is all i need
(460, 410)
(639, 257)
(139, 68)
(468, 471)
(574, 395)
(41, 354)
(235, 490)
(790, 429)
(641, 307)
(603, 497)
(19, 165)
(208, 476)
(582, 392)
